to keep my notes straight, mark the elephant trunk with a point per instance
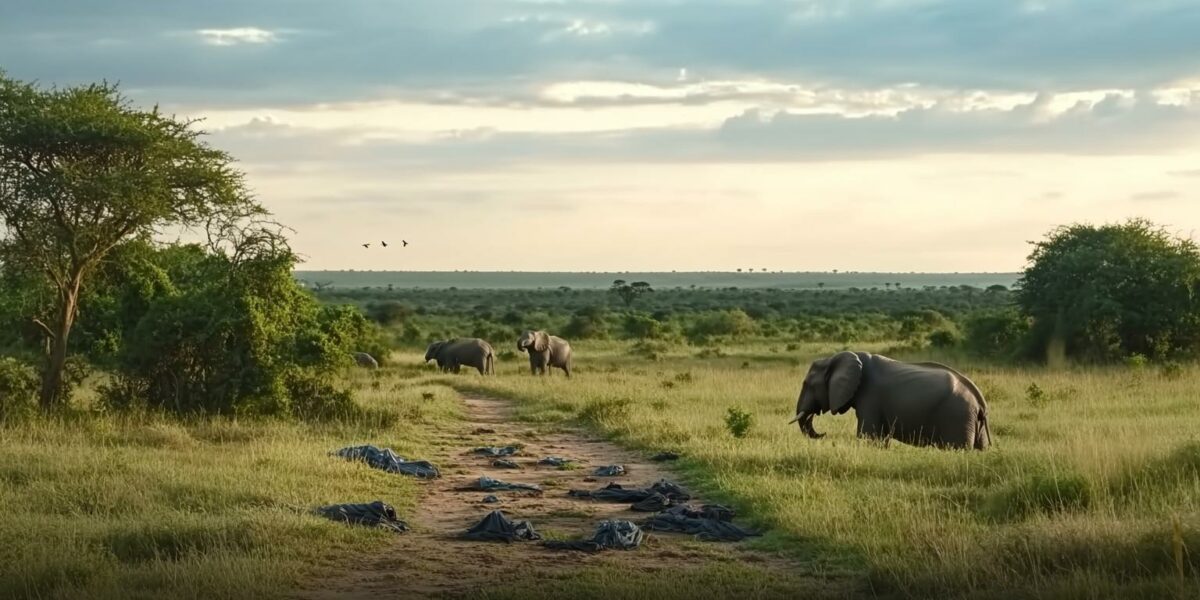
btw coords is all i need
(805, 421)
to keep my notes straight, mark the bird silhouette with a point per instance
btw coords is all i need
(384, 244)
(405, 243)
(366, 245)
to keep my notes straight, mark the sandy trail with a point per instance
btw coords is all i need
(430, 562)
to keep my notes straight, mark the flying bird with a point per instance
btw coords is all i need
(366, 245)
(384, 244)
(405, 243)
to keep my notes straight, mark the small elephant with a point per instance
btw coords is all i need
(545, 351)
(470, 352)
(365, 360)
(923, 404)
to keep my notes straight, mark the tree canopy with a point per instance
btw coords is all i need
(1108, 292)
(81, 171)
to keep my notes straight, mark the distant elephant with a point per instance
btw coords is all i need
(365, 360)
(545, 351)
(923, 404)
(470, 352)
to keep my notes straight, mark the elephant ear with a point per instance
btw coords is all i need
(541, 341)
(845, 373)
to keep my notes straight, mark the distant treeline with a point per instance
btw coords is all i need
(697, 316)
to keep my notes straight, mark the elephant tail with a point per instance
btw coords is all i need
(490, 363)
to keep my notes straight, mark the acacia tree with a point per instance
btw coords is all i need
(629, 292)
(81, 171)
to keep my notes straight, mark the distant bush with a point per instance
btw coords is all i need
(996, 334)
(640, 326)
(587, 323)
(945, 338)
(733, 323)
(650, 349)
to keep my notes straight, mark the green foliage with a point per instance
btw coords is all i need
(738, 422)
(18, 388)
(84, 171)
(998, 334)
(640, 326)
(732, 323)
(588, 323)
(1042, 493)
(1108, 292)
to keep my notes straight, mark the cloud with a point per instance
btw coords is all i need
(236, 36)
(1155, 196)
(1185, 173)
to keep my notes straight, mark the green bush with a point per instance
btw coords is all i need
(738, 422)
(996, 334)
(19, 387)
(1042, 493)
(733, 323)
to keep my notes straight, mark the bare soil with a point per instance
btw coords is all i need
(430, 561)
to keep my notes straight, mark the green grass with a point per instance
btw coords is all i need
(152, 507)
(1077, 499)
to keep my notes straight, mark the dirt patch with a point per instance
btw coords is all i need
(430, 561)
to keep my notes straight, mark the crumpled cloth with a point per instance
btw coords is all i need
(610, 535)
(374, 514)
(386, 460)
(496, 527)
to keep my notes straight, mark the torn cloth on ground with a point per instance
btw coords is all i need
(375, 514)
(610, 471)
(487, 484)
(555, 461)
(501, 463)
(664, 456)
(653, 504)
(386, 460)
(715, 512)
(495, 527)
(610, 535)
(496, 452)
(614, 492)
(704, 529)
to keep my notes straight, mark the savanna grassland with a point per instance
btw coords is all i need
(1091, 489)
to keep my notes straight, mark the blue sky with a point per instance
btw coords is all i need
(652, 134)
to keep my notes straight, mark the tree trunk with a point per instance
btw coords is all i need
(56, 361)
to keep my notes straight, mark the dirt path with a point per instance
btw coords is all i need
(430, 562)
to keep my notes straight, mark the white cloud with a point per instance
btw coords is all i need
(237, 35)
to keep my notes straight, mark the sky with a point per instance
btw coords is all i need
(642, 135)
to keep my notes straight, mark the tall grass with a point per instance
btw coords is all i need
(147, 506)
(1077, 499)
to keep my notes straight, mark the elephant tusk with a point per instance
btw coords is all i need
(797, 418)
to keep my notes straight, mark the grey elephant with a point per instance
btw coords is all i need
(545, 351)
(923, 404)
(459, 352)
(365, 360)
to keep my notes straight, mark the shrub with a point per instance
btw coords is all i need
(19, 387)
(1113, 291)
(733, 323)
(649, 349)
(1053, 493)
(738, 422)
(606, 412)
(997, 334)
(945, 338)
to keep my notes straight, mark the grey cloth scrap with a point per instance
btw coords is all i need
(555, 461)
(375, 514)
(653, 504)
(610, 535)
(501, 463)
(664, 456)
(492, 452)
(610, 471)
(386, 460)
(715, 512)
(704, 529)
(495, 527)
(614, 492)
(490, 499)
(487, 484)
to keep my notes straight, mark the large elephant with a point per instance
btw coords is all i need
(924, 404)
(458, 352)
(545, 351)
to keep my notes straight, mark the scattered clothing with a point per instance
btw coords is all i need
(495, 527)
(653, 504)
(487, 484)
(715, 512)
(389, 461)
(375, 514)
(496, 452)
(501, 463)
(490, 499)
(482, 431)
(664, 456)
(704, 529)
(555, 461)
(610, 471)
(614, 492)
(610, 535)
